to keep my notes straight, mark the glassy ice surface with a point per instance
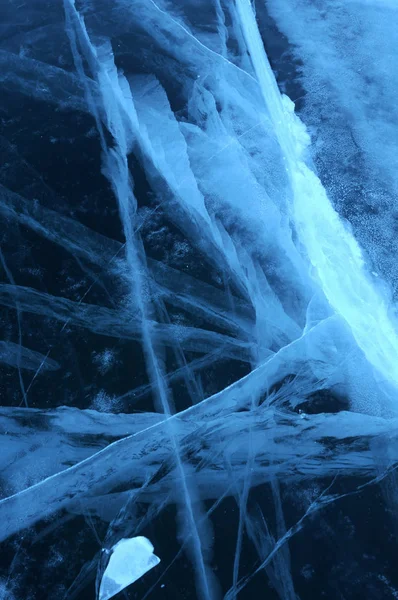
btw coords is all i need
(199, 338)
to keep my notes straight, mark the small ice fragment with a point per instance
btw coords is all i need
(131, 558)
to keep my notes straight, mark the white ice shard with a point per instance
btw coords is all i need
(131, 558)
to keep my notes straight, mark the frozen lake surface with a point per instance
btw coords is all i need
(199, 281)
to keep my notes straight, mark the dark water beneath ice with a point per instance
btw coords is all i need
(51, 157)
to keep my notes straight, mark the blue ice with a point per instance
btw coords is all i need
(289, 296)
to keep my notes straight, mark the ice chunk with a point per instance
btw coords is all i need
(131, 558)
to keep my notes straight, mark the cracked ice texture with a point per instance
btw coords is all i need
(212, 289)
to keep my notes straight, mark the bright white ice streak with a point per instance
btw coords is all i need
(119, 115)
(332, 250)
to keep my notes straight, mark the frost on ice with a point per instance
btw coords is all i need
(130, 559)
(214, 334)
